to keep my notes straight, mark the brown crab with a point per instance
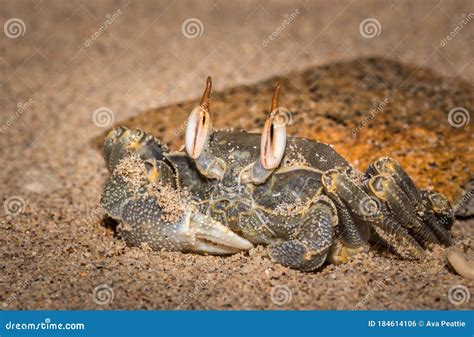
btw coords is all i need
(230, 190)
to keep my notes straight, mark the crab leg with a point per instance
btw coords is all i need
(397, 238)
(385, 188)
(339, 185)
(352, 234)
(432, 208)
(391, 167)
(344, 191)
(438, 215)
(307, 247)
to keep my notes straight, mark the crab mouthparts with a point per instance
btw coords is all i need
(206, 235)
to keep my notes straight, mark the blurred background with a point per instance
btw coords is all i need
(62, 61)
(133, 55)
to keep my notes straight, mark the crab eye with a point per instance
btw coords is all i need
(197, 131)
(273, 143)
(199, 125)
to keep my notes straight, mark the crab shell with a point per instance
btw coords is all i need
(248, 208)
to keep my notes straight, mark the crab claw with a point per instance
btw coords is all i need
(151, 210)
(199, 125)
(206, 235)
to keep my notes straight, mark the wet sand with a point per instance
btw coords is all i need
(57, 246)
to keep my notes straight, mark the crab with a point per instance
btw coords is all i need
(226, 191)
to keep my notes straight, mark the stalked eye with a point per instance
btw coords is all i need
(273, 143)
(197, 131)
(199, 125)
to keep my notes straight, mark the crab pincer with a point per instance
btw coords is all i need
(152, 210)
